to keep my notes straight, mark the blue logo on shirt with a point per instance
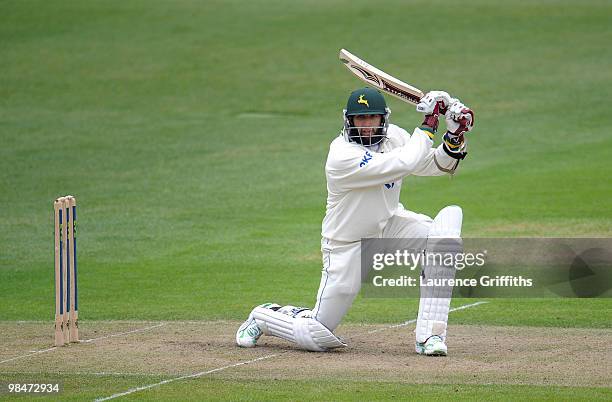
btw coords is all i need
(366, 158)
(390, 185)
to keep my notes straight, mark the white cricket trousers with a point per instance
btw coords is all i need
(341, 274)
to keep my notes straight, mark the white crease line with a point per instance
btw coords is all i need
(143, 322)
(28, 355)
(196, 375)
(88, 321)
(36, 352)
(414, 320)
(124, 333)
(200, 374)
(106, 373)
(72, 373)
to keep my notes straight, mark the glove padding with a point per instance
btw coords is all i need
(428, 102)
(430, 123)
(459, 119)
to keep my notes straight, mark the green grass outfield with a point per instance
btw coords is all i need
(90, 387)
(194, 135)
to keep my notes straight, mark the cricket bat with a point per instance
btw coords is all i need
(379, 79)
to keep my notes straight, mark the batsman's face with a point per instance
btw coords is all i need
(370, 122)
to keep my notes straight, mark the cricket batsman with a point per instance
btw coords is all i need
(364, 170)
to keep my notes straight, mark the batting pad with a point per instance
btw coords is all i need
(301, 329)
(444, 238)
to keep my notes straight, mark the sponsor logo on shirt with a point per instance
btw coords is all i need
(366, 158)
(390, 185)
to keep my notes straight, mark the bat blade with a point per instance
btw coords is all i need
(379, 79)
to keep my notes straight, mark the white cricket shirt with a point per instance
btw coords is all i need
(364, 183)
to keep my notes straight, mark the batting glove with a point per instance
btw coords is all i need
(428, 102)
(459, 119)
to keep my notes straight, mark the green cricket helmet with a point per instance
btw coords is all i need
(366, 101)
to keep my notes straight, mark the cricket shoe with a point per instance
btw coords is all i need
(433, 346)
(249, 332)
